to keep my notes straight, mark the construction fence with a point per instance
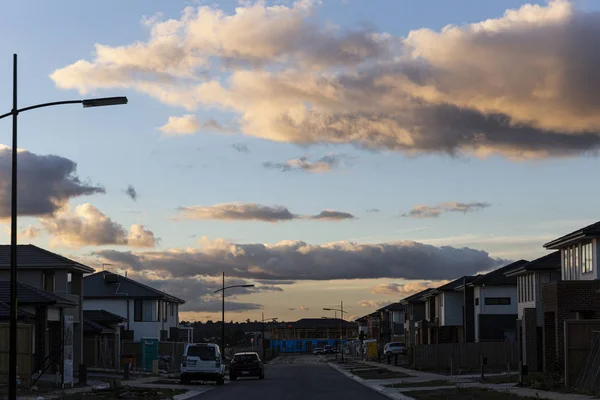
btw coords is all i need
(465, 356)
(24, 352)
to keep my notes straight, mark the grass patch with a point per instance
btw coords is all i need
(463, 394)
(421, 384)
(380, 373)
(127, 393)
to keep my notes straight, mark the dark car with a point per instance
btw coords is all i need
(245, 365)
(328, 349)
(318, 351)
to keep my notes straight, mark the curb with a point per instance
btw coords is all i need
(187, 395)
(378, 389)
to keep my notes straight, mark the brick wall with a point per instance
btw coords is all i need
(561, 301)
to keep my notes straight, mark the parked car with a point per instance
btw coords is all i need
(328, 349)
(202, 362)
(246, 364)
(394, 348)
(318, 351)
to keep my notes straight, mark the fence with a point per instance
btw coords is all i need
(24, 352)
(457, 356)
(579, 346)
(101, 352)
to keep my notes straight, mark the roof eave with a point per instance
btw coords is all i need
(569, 239)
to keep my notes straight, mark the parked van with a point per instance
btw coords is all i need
(202, 362)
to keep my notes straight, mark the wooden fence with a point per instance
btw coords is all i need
(464, 355)
(579, 335)
(24, 352)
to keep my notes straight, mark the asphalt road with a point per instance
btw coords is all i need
(291, 378)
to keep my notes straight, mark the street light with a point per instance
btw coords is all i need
(263, 332)
(107, 101)
(342, 312)
(223, 310)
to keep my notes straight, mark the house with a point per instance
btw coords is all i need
(414, 317)
(101, 330)
(52, 286)
(395, 321)
(444, 312)
(308, 333)
(149, 313)
(575, 296)
(530, 278)
(495, 304)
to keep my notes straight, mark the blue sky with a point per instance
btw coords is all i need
(530, 201)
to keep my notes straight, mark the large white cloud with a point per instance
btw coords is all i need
(295, 260)
(88, 226)
(524, 85)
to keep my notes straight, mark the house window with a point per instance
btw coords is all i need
(146, 311)
(165, 314)
(477, 301)
(497, 301)
(441, 300)
(586, 258)
(172, 309)
(48, 282)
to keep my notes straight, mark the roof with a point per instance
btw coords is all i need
(5, 312)
(95, 286)
(27, 294)
(498, 276)
(308, 323)
(549, 262)
(393, 307)
(417, 297)
(587, 232)
(456, 284)
(103, 316)
(30, 256)
(95, 327)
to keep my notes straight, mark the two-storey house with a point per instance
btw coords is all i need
(576, 295)
(445, 311)
(149, 313)
(495, 304)
(530, 278)
(414, 318)
(50, 287)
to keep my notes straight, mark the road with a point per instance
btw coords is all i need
(291, 378)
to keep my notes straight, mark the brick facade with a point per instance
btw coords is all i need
(560, 301)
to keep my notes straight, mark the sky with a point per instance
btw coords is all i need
(325, 151)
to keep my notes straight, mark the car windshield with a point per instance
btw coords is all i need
(245, 357)
(205, 353)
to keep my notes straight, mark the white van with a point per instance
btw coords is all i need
(202, 362)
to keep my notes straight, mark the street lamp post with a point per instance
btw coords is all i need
(263, 333)
(222, 290)
(342, 312)
(99, 102)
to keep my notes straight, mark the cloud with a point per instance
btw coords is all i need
(405, 289)
(324, 164)
(241, 147)
(372, 303)
(215, 126)
(185, 125)
(524, 85)
(198, 291)
(131, 192)
(46, 183)
(423, 211)
(31, 232)
(291, 309)
(296, 260)
(332, 215)
(88, 226)
(373, 210)
(254, 212)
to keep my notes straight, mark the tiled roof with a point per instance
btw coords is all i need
(455, 284)
(5, 312)
(392, 307)
(308, 323)
(95, 327)
(498, 276)
(549, 262)
(27, 294)
(103, 316)
(30, 256)
(96, 286)
(589, 231)
(416, 297)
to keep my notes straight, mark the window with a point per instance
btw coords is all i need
(172, 309)
(48, 282)
(497, 301)
(441, 300)
(205, 353)
(146, 311)
(165, 314)
(586, 258)
(477, 301)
